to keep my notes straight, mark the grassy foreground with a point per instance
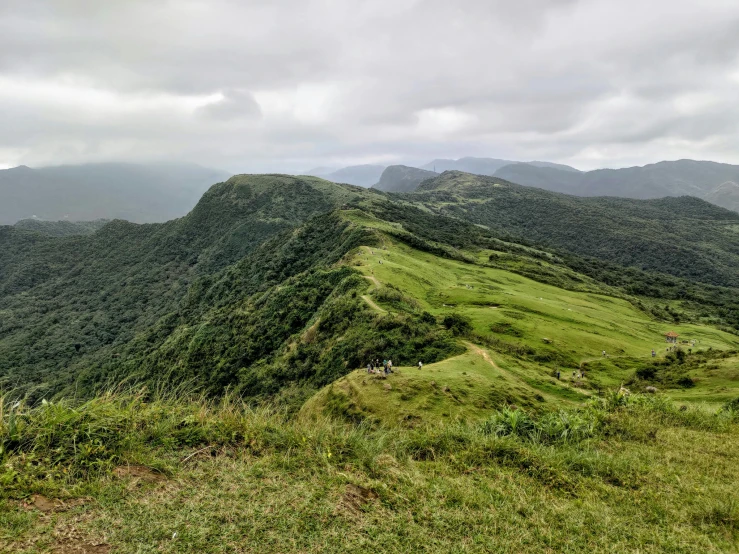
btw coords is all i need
(128, 473)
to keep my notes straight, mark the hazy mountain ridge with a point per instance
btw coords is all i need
(486, 166)
(726, 195)
(668, 178)
(369, 175)
(359, 175)
(142, 193)
(61, 228)
(402, 178)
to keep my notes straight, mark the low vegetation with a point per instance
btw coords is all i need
(140, 472)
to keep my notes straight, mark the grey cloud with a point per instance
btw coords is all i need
(300, 83)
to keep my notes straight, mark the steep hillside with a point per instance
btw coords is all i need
(684, 237)
(401, 178)
(69, 303)
(678, 178)
(518, 332)
(138, 193)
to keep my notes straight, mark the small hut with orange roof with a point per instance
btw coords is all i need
(671, 337)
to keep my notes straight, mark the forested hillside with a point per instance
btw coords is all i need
(66, 302)
(256, 289)
(685, 236)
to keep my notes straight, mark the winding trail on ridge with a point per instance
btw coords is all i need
(366, 297)
(485, 356)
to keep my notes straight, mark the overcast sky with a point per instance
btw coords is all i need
(291, 84)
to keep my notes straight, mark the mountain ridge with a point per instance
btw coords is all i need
(665, 178)
(144, 193)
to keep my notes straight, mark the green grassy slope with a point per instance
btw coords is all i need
(524, 332)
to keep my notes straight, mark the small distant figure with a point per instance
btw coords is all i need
(558, 374)
(653, 353)
(384, 366)
(604, 353)
(420, 365)
(369, 368)
(390, 366)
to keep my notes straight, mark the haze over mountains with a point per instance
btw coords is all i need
(402, 178)
(712, 181)
(147, 193)
(141, 193)
(359, 175)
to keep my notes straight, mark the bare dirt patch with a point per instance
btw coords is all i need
(138, 473)
(355, 498)
(51, 505)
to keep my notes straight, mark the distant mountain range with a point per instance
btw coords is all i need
(715, 182)
(147, 193)
(359, 175)
(486, 166)
(142, 193)
(371, 175)
(402, 178)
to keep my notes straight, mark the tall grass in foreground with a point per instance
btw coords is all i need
(56, 444)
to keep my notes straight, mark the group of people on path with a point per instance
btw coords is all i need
(387, 366)
(374, 366)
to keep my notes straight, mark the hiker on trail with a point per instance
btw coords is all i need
(384, 366)
(390, 366)
(653, 353)
(369, 368)
(558, 374)
(604, 353)
(420, 365)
